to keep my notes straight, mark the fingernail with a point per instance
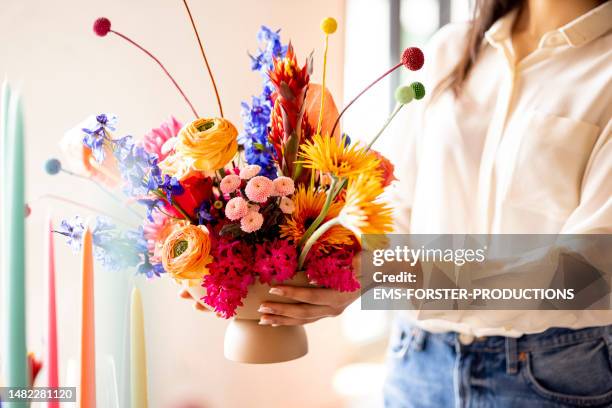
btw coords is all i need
(277, 291)
(264, 309)
(263, 321)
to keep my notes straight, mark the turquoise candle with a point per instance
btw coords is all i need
(13, 251)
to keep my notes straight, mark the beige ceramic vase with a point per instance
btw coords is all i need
(246, 341)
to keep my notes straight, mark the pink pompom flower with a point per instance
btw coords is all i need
(236, 208)
(251, 222)
(283, 186)
(287, 205)
(259, 189)
(250, 171)
(229, 183)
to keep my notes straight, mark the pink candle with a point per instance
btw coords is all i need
(88, 345)
(52, 370)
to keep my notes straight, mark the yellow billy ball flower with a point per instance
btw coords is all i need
(329, 25)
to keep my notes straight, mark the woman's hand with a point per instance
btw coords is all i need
(314, 303)
(184, 294)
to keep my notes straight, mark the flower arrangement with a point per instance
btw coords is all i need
(225, 209)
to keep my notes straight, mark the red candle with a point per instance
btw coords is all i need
(52, 373)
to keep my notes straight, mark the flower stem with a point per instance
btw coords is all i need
(313, 238)
(331, 194)
(320, 121)
(176, 206)
(389, 119)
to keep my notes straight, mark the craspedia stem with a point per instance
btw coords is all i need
(210, 74)
(102, 27)
(412, 58)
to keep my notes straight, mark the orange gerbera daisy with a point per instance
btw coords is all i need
(328, 155)
(363, 212)
(308, 205)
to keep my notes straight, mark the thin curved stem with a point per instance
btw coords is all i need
(361, 93)
(320, 121)
(134, 43)
(212, 78)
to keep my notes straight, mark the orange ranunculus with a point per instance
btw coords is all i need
(186, 252)
(208, 144)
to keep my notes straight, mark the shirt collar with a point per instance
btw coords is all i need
(576, 33)
(589, 26)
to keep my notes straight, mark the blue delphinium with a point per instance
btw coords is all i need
(256, 116)
(113, 248)
(96, 134)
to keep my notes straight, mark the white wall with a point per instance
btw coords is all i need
(67, 73)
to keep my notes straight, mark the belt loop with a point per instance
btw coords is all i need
(419, 339)
(511, 356)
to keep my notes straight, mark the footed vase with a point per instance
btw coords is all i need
(246, 341)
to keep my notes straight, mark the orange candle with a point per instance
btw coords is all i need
(52, 373)
(88, 344)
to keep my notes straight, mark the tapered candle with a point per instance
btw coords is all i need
(13, 250)
(138, 353)
(88, 344)
(52, 369)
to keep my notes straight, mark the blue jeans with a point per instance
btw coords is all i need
(556, 368)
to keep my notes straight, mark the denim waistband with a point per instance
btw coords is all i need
(551, 338)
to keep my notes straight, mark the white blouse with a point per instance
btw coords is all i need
(525, 148)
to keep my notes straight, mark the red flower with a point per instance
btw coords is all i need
(198, 188)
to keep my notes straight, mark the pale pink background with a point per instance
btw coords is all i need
(67, 73)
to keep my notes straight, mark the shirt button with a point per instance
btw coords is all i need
(466, 339)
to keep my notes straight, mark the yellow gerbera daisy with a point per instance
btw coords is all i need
(326, 154)
(363, 212)
(308, 205)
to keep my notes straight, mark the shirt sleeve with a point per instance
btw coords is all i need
(594, 212)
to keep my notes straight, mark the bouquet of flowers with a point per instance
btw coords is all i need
(288, 194)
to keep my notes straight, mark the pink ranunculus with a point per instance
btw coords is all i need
(230, 183)
(155, 139)
(283, 186)
(250, 171)
(236, 208)
(259, 189)
(251, 222)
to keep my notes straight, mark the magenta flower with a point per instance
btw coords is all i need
(155, 139)
(275, 261)
(334, 270)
